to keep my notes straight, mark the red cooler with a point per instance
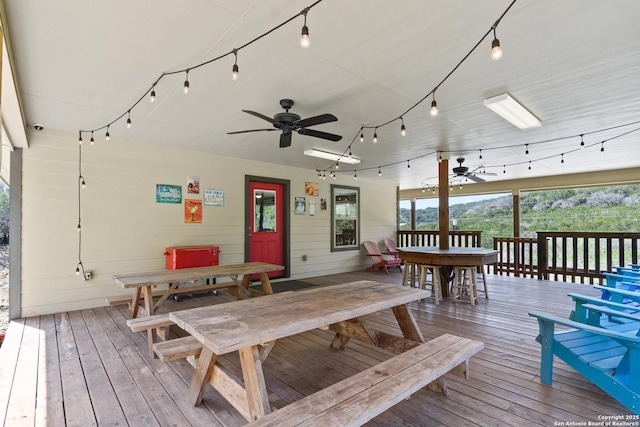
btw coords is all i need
(192, 256)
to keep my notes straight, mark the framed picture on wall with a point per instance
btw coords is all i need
(166, 193)
(192, 211)
(300, 205)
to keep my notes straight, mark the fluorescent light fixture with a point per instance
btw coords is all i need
(511, 110)
(331, 156)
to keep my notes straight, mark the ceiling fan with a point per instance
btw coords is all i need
(463, 171)
(288, 122)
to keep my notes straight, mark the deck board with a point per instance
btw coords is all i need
(87, 368)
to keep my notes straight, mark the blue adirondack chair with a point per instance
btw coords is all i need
(608, 358)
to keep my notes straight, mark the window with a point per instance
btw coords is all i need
(345, 218)
(265, 210)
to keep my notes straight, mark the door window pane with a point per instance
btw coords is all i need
(265, 210)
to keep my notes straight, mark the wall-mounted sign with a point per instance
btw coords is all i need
(213, 197)
(166, 193)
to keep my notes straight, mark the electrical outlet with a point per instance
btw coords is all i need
(88, 275)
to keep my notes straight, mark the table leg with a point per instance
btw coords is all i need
(254, 384)
(148, 305)
(407, 323)
(266, 285)
(446, 276)
(135, 301)
(204, 367)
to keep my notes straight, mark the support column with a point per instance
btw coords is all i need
(414, 221)
(443, 198)
(516, 213)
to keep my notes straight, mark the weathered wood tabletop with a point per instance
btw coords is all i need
(251, 327)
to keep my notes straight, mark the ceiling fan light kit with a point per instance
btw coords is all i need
(512, 111)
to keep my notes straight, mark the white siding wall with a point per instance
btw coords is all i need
(125, 230)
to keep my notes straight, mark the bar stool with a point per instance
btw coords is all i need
(410, 269)
(465, 282)
(436, 288)
(484, 281)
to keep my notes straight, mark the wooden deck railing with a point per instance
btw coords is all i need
(577, 257)
(517, 256)
(431, 238)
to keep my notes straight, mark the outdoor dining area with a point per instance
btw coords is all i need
(343, 349)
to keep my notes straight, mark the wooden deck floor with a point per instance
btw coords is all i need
(86, 368)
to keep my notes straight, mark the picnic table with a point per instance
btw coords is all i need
(252, 326)
(240, 274)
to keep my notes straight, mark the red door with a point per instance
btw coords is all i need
(266, 225)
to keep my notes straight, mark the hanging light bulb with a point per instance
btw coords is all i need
(361, 135)
(79, 138)
(562, 159)
(403, 130)
(460, 186)
(439, 157)
(581, 141)
(350, 152)
(186, 83)
(78, 270)
(304, 38)
(480, 155)
(433, 190)
(434, 106)
(529, 166)
(355, 174)
(337, 165)
(504, 168)
(235, 69)
(526, 153)
(496, 51)
(379, 171)
(82, 182)
(375, 136)
(107, 137)
(152, 96)
(92, 140)
(79, 228)
(423, 189)
(602, 147)
(129, 119)
(408, 165)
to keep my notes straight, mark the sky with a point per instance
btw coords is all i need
(433, 203)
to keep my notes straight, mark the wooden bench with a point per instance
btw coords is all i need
(178, 348)
(359, 398)
(158, 324)
(608, 358)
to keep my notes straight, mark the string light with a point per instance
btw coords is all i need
(375, 136)
(350, 152)
(461, 186)
(379, 171)
(434, 106)
(337, 166)
(602, 147)
(152, 96)
(361, 135)
(92, 140)
(504, 168)
(403, 130)
(496, 50)
(526, 153)
(581, 141)
(439, 157)
(107, 137)
(408, 165)
(562, 159)
(304, 38)
(185, 87)
(235, 70)
(355, 174)
(79, 138)
(129, 119)
(529, 166)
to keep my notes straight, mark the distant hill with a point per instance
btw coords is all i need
(607, 209)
